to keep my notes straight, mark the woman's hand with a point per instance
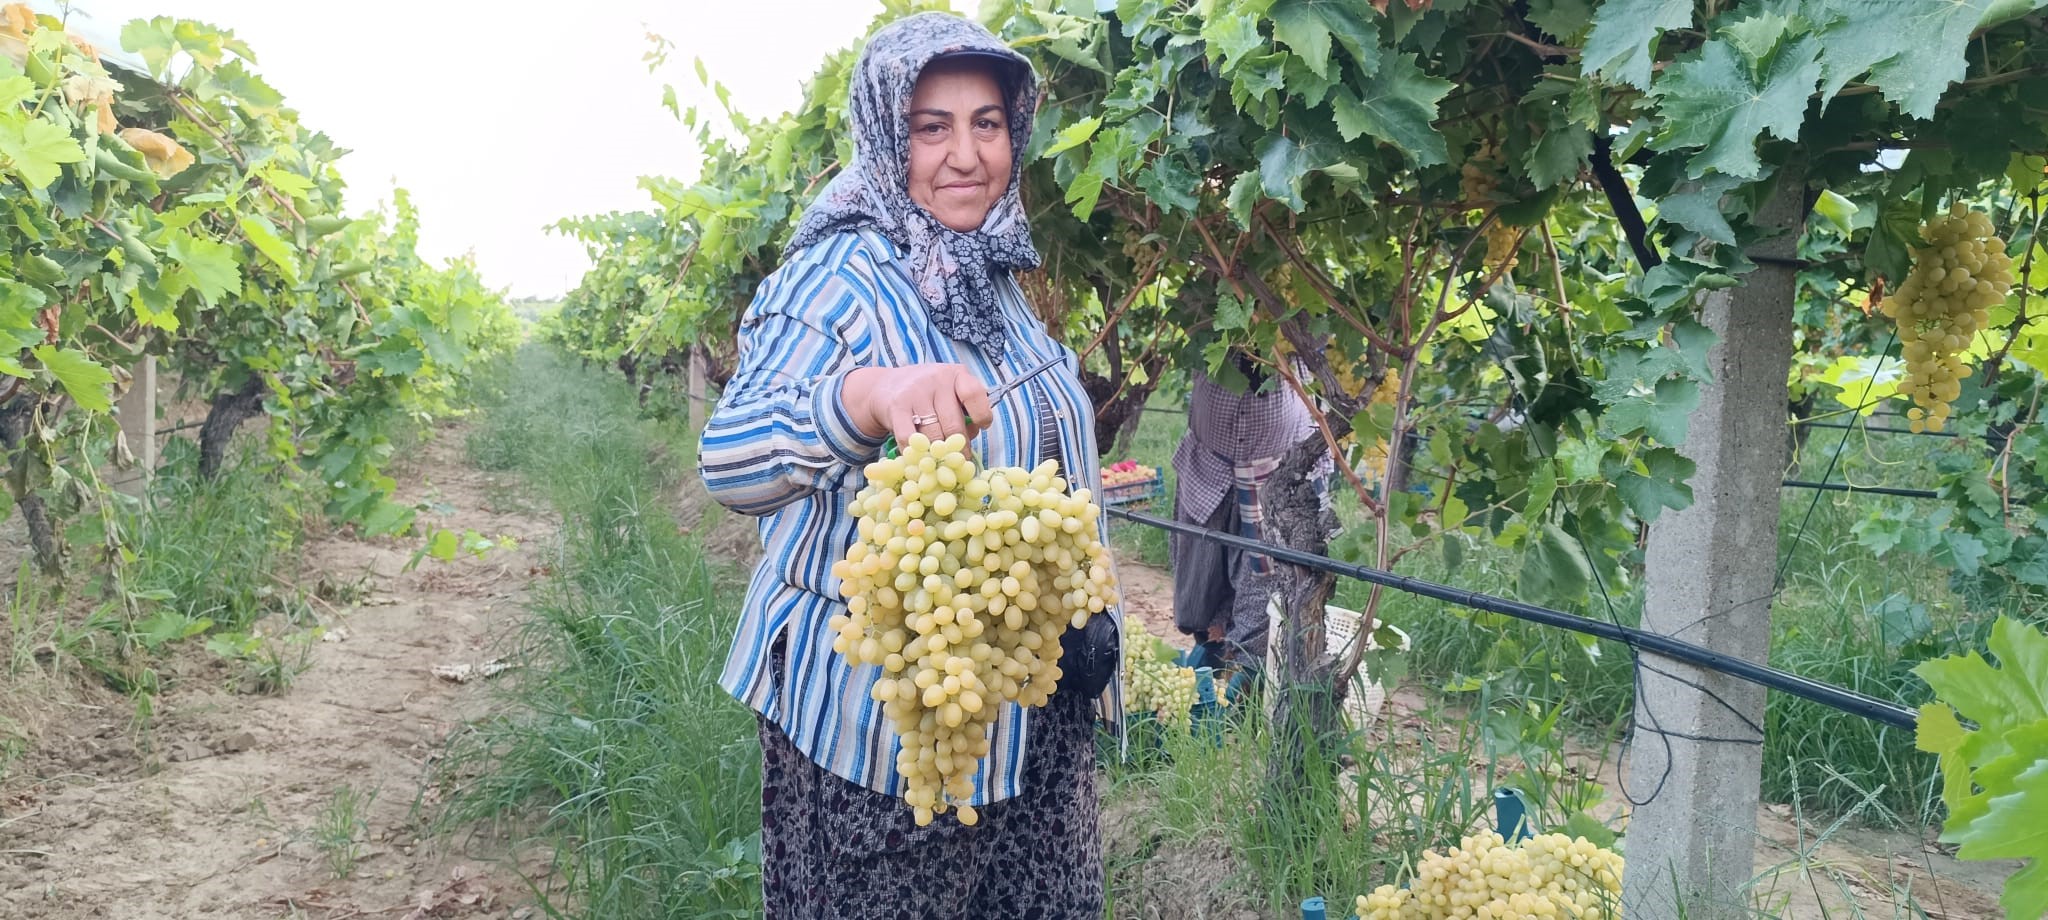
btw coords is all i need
(934, 400)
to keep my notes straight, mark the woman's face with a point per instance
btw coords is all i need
(959, 143)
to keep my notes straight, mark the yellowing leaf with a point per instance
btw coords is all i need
(165, 156)
(17, 20)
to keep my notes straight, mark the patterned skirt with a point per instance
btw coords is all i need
(833, 850)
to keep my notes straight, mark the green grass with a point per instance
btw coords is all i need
(616, 734)
(220, 550)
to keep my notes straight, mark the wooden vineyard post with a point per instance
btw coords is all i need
(1696, 753)
(136, 413)
(698, 397)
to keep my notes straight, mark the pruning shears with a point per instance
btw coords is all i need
(995, 395)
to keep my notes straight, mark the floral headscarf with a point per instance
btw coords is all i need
(955, 272)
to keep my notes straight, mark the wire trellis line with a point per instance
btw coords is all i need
(1846, 700)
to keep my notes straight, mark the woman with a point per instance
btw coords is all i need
(1235, 440)
(893, 313)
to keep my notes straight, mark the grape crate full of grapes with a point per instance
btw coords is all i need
(958, 587)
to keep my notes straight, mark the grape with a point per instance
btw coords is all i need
(1547, 876)
(1160, 687)
(958, 586)
(1942, 305)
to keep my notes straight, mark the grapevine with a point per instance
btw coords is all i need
(1945, 300)
(1552, 875)
(959, 586)
(184, 212)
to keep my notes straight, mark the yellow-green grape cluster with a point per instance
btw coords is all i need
(959, 586)
(1544, 877)
(1160, 687)
(1502, 242)
(1957, 277)
(1479, 178)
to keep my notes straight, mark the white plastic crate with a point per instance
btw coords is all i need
(1362, 705)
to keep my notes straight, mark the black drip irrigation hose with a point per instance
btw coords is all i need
(1848, 701)
(1871, 490)
(1875, 429)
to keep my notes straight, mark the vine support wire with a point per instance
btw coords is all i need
(1849, 701)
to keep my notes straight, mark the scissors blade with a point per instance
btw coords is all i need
(1013, 383)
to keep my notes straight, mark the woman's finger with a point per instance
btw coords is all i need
(951, 421)
(900, 423)
(972, 395)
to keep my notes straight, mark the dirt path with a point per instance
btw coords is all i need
(218, 809)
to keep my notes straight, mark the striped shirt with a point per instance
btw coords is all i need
(781, 447)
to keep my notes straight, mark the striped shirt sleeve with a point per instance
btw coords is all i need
(780, 431)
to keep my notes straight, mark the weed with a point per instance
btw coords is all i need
(340, 827)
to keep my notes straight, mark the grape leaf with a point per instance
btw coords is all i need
(79, 375)
(1282, 163)
(1662, 486)
(1911, 49)
(1725, 101)
(254, 94)
(1997, 699)
(152, 40)
(262, 234)
(1171, 185)
(1306, 26)
(1073, 135)
(37, 148)
(1699, 209)
(1230, 38)
(15, 86)
(1562, 19)
(1962, 551)
(1619, 47)
(1937, 732)
(1635, 371)
(1558, 154)
(1397, 105)
(2004, 820)
(1665, 412)
(1553, 566)
(211, 264)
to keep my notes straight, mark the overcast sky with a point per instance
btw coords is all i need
(501, 117)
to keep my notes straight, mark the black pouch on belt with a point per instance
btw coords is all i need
(1088, 657)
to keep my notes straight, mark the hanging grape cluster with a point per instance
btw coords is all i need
(1479, 177)
(1154, 684)
(1549, 876)
(1502, 245)
(1957, 277)
(959, 586)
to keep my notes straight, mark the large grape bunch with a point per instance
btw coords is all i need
(1956, 278)
(1548, 876)
(959, 586)
(1155, 685)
